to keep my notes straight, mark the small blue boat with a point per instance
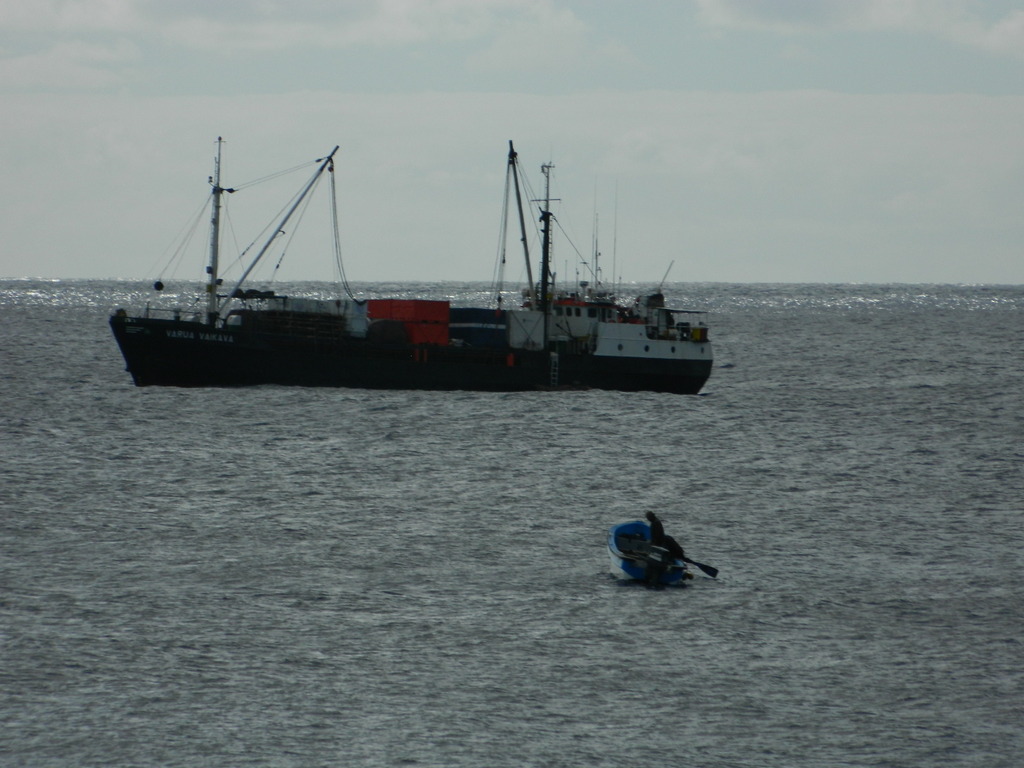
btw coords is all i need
(634, 557)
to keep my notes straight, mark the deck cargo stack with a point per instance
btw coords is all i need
(425, 322)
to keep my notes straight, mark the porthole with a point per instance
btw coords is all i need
(620, 347)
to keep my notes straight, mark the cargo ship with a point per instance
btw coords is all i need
(555, 339)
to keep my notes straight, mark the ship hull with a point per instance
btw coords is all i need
(160, 352)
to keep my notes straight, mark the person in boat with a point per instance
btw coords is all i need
(661, 539)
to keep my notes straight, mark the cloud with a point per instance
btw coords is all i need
(86, 44)
(956, 21)
(73, 65)
(809, 15)
(543, 38)
(270, 25)
(785, 15)
(1006, 36)
(69, 15)
(68, 45)
(281, 25)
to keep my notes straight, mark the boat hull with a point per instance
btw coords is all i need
(173, 352)
(638, 565)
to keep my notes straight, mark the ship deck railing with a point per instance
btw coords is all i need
(173, 313)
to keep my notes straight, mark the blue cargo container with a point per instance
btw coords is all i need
(478, 327)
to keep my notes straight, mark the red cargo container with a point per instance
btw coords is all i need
(409, 310)
(427, 333)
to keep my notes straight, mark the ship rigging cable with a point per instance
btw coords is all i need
(339, 263)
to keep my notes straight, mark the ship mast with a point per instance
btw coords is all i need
(545, 262)
(211, 269)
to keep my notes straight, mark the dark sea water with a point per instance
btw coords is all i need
(299, 577)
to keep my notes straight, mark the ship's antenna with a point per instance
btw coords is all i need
(615, 241)
(595, 253)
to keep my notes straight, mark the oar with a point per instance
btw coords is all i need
(712, 572)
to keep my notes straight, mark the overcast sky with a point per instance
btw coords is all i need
(735, 140)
